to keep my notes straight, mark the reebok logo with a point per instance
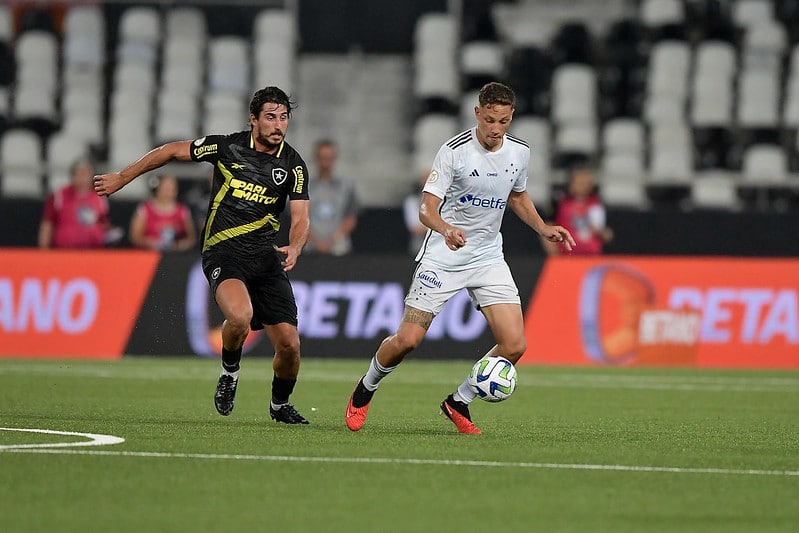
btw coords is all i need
(475, 174)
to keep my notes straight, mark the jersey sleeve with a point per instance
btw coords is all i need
(520, 185)
(207, 148)
(299, 187)
(442, 172)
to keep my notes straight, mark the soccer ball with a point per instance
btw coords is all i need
(493, 378)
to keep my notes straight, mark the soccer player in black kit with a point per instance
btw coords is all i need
(255, 172)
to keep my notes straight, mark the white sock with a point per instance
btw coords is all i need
(464, 393)
(226, 373)
(276, 406)
(375, 373)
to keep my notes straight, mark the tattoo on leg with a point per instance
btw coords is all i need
(415, 316)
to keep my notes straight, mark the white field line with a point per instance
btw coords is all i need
(410, 461)
(95, 439)
(527, 378)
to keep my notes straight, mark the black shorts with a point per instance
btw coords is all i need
(268, 284)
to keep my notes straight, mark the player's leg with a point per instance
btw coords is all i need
(389, 355)
(234, 302)
(500, 304)
(286, 366)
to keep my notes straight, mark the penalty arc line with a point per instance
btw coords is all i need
(95, 439)
(425, 462)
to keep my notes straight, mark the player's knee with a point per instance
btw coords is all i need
(406, 342)
(516, 349)
(239, 319)
(288, 347)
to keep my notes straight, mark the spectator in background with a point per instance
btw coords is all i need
(334, 210)
(410, 208)
(162, 222)
(581, 211)
(74, 216)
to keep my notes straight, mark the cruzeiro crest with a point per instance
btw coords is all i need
(279, 175)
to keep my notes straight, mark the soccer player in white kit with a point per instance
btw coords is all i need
(475, 176)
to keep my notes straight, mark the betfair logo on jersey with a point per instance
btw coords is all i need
(487, 203)
(250, 191)
(299, 178)
(202, 151)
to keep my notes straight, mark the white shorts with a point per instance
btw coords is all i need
(432, 287)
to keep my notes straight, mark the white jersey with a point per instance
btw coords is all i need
(474, 185)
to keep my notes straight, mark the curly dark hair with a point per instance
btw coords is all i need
(272, 95)
(495, 93)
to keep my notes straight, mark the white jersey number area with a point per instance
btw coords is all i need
(474, 185)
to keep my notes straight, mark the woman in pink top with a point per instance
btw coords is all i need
(581, 211)
(74, 216)
(162, 222)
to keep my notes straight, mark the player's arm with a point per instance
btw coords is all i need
(298, 233)
(107, 184)
(521, 204)
(429, 216)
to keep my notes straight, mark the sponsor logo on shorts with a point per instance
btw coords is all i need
(429, 278)
(215, 273)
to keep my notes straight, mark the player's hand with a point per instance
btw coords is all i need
(108, 184)
(559, 234)
(288, 255)
(455, 238)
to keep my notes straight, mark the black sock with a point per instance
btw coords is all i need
(282, 389)
(362, 395)
(231, 359)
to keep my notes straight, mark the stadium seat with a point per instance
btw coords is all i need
(481, 62)
(275, 26)
(669, 69)
(622, 164)
(664, 19)
(624, 135)
(715, 190)
(429, 133)
(574, 140)
(186, 23)
(6, 24)
(223, 113)
(274, 65)
(229, 65)
(764, 165)
(660, 109)
(574, 93)
(715, 58)
(35, 102)
(623, 191)
(139, 35)
(63, 149)
(37, 60)
(21, 164)
(84, 37)
(749, 13)
(758, 99)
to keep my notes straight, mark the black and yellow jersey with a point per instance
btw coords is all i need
(248, 191)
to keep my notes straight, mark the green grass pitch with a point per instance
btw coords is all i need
(572, 450)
